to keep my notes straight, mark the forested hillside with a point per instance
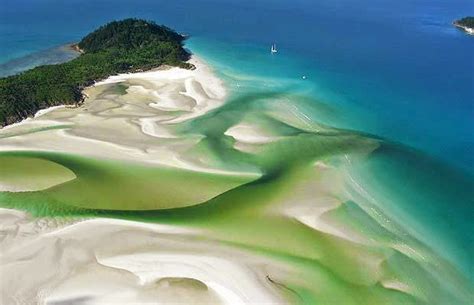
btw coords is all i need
(120, 46)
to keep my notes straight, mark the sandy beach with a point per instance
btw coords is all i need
(86, 261)
(162, 188)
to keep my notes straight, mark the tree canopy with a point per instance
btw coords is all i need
(466, 21)
(120, 46)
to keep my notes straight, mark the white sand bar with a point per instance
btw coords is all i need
(88, 262)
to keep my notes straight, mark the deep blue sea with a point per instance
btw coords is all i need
(398, 70)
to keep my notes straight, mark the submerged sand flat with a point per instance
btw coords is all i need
(164, 188)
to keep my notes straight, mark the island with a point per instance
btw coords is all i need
(466, 24)
(128, 45)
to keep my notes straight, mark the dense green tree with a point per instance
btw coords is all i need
(117, 47)
(466, 21)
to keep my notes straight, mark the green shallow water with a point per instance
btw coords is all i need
(113, 185)
(327, 269)
(433, 200)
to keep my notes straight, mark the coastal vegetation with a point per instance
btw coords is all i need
(123, 46)
(466, 23)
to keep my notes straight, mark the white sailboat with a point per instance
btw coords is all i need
(274, 49)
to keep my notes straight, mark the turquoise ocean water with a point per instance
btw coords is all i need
(396, 70)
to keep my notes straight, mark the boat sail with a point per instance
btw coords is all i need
(274, 49)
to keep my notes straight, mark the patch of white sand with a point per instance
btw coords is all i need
(47, 110)
(89, 262)
(251, 134)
